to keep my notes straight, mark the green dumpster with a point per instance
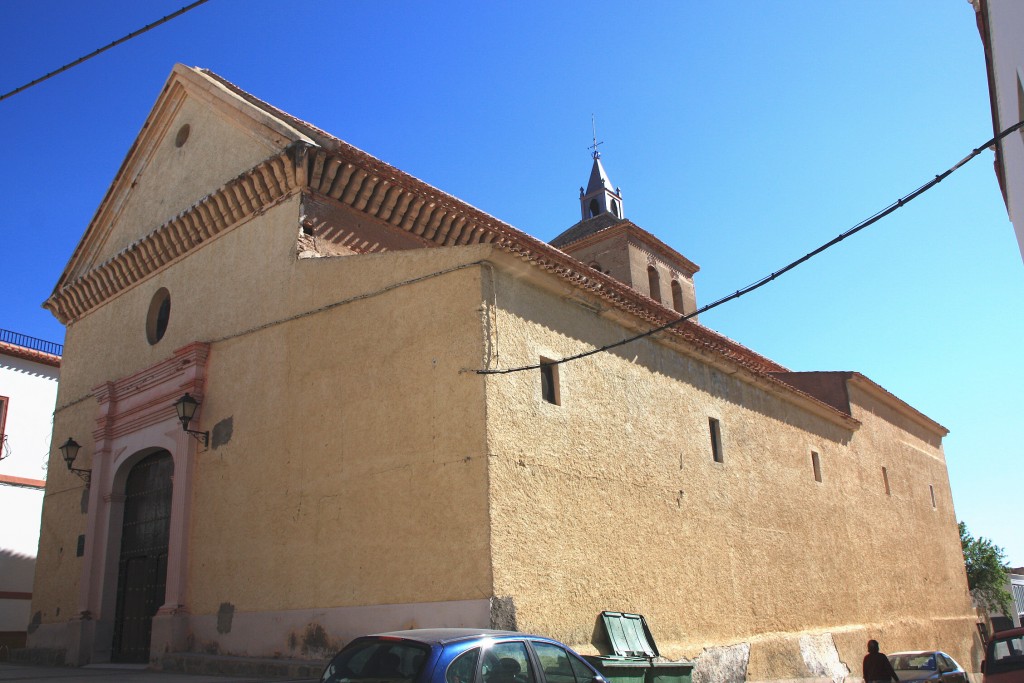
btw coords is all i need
(620, 669)
(635, 653)
(669, 672)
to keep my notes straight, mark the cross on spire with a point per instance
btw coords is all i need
(596, 153)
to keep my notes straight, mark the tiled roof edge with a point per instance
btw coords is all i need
(30, 354)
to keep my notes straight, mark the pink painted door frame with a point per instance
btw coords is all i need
(136, 417)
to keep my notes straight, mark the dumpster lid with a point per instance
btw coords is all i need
(629, 635)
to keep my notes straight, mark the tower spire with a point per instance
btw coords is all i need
(599, 197)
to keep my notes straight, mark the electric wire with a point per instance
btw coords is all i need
(898, 204)
(310, 312)
(94, 53)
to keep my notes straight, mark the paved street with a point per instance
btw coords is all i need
(118, 674)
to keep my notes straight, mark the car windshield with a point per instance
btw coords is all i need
(377, 660)
(1006, 654)
(915, 662)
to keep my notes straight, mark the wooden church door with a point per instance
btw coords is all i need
(142, 566)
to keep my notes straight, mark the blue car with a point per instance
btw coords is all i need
(458, 655)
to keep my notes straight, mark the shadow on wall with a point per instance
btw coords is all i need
(16, 571)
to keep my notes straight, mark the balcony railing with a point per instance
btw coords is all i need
(25, 341)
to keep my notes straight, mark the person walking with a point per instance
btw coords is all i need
(877, 668)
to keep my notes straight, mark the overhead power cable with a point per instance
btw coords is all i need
(103, 49)
(898, 204)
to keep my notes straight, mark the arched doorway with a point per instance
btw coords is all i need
(142, 563)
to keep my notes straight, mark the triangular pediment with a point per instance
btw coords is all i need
(199, 135)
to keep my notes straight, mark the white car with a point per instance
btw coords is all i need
(927, 665)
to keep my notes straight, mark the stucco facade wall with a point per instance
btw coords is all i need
(612, 500)
(362, 476)
(167, 178)
(348, 459)
(1005, 21)
(58, 568)
(30, 388)
(357, 451)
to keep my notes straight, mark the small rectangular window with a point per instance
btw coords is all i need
(931, 491)
(549, 381)
(816, 464)
(716, 440)
(885, 480)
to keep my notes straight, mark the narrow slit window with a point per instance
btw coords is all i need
(816, 465)
(716, 439)
(931, 492)
(549, 390)
(885, 480)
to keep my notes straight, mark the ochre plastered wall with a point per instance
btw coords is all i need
(162, 179)
(355, 473)
(612, 501)
(357, 454)
(368, 464)
(58, 569)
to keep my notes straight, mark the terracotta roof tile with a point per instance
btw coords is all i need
(29, 354)
(540, 253)
(586, 228)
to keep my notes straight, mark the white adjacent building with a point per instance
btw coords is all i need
(29, 369)
(1001, 24)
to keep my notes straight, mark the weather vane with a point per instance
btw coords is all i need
(596, 153)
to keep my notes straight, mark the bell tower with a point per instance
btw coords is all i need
(614, 245)
(599, 197)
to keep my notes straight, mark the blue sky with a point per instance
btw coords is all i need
(743, 134)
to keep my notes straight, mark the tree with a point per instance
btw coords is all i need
(987, 575)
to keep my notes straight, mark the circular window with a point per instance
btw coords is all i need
(182, 136)
(158, 316)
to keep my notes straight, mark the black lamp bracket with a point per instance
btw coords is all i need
(202, 437)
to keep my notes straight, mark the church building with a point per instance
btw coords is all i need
(316, 397)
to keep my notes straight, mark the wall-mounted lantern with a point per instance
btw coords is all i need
(186, 408)
(69, 451)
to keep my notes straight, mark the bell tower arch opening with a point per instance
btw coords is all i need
(654, 283)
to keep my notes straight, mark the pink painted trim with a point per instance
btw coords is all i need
(135, 416)
(23, 481)
(15, 595)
